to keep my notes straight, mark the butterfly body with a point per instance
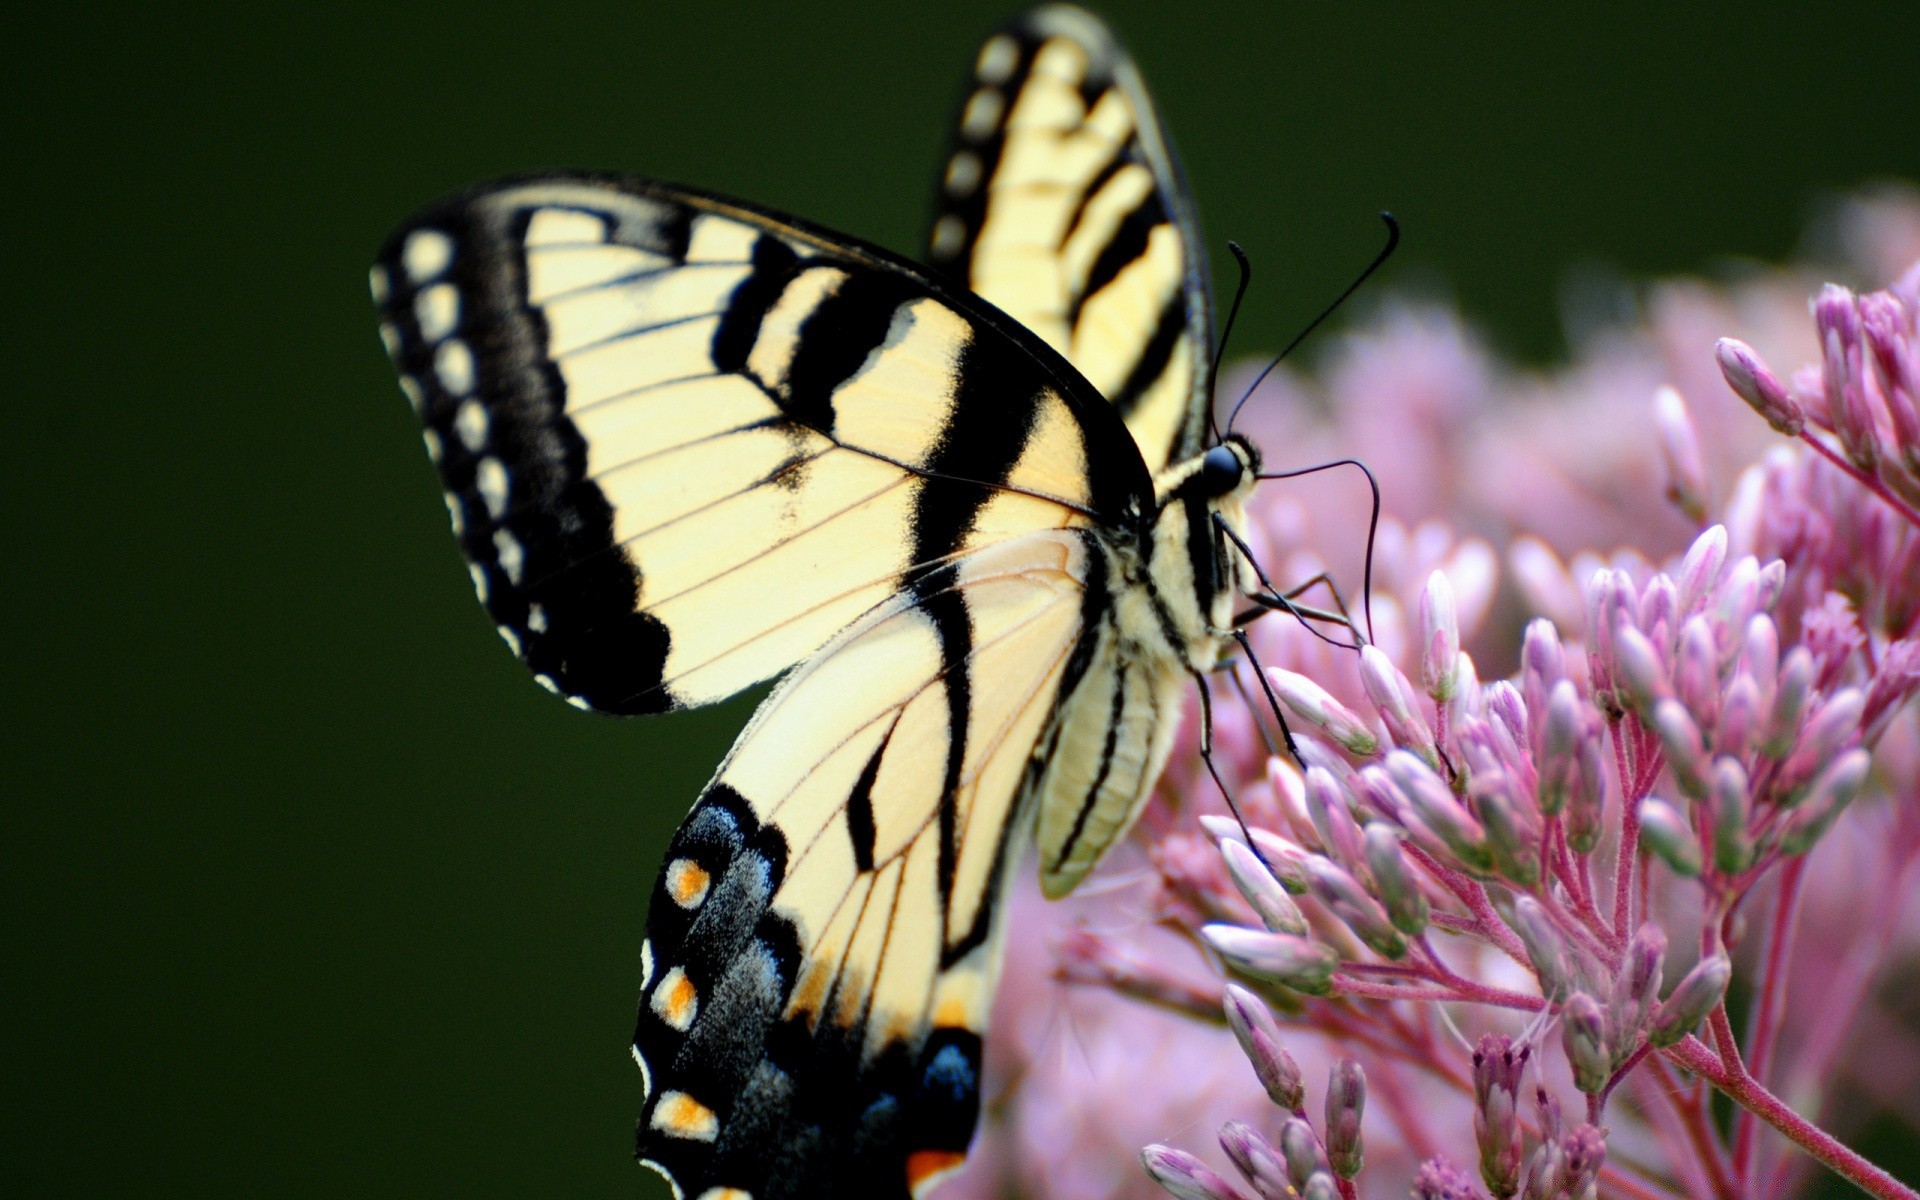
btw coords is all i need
(689, 445)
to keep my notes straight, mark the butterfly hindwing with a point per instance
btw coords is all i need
(823, 941)
(685, 442)
(1063, 203)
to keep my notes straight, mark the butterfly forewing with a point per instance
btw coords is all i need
(1062, 202)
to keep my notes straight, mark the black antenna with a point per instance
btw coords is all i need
(1373, 522)
(1393, 242)
(1220, 352)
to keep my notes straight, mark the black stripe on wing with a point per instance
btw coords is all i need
(965, 196)
(476, 349)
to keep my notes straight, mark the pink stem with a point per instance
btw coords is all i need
(1457, 990)
(1732, 1080)
(1763, 1032)
(1865, 480)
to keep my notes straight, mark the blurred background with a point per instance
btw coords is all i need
(308, 889)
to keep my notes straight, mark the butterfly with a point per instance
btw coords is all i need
(968, 513)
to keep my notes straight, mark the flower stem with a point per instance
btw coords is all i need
(1740, 1087)
(1765, 1029)
(1865, 480)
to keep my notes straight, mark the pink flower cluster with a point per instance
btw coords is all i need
(1552, 814)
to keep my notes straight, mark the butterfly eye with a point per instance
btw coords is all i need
(1220, 472)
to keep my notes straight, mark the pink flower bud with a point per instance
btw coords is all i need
(1497, 1070)
(1281, 856)
(1790, 697)
(1740, 717)
(1436, 810)
(1691, 1000)
(1185, 1176)
(1586, 1149)
(1259, 1037)
(1732, 806)
(1837, 318)
(1680, 451)
(1680, 738)
(1254, 1157)
(1638, 669)
(1546, 1168)
(1406, 904)
(1545, 949)
(1696, 673)
(1346, 1101)
(1289, 961)
(1636, 988)
(1587, 802)
(1439, 1179)
(1392, 695)
(1583, 1025)
(1896, 364)
(1825, 733)
(1302, 1151)
(1320, 1186)
(1826, 800)
(1326, 805)
(1439, 637)
(1560, 738)
(1344, 897)
(1315, 706)
(1270, 901)
(1512, 839)
(1752, 382)
(1665, 832)
(1700, 570)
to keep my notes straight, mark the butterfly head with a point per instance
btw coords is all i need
(1227, 468)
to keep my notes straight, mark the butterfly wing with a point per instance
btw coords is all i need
(823, 941)
(1062, 202)
(685, 442)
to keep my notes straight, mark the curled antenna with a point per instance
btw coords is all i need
(1386, 252)
(1226, 331)
(1373, 521)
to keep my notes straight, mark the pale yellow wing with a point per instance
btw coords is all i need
(1062, 202)
(685, 442)
(823, 941)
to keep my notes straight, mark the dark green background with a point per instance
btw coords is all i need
(309, 891)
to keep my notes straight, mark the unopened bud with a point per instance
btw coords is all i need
(1315, 706)
(1292, 962)
(1544, 948)
(1254, 1157)
(1701, 568)
(1347, 900)
(1262, 890)
(1752, 382)
(1439, 638)
(1320, 1186)
(1686, 753)
(1406, 904)
(1436, 809)
(1302, 1151)
(1439, 1179)
(1824, 733)
(1740, 716)
(1542, 663)
(1691, 1000)
(1259, 1037)
(1696, 673)
(1512, 839)
(1185, 1176)
(1326, 804)
(1680, 450)
(1559, 744)
(1393, 696)
(1790, 697)
(1837, 318)
(1587, 805)
(1638, 670)
(1732, 847)
(1829, 796)
(1586, 1149)
(1346, 1101)
(1497, 1068)
(1666, 833)
(1546, 1169)
(1583, 1024)
(1636, 988)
